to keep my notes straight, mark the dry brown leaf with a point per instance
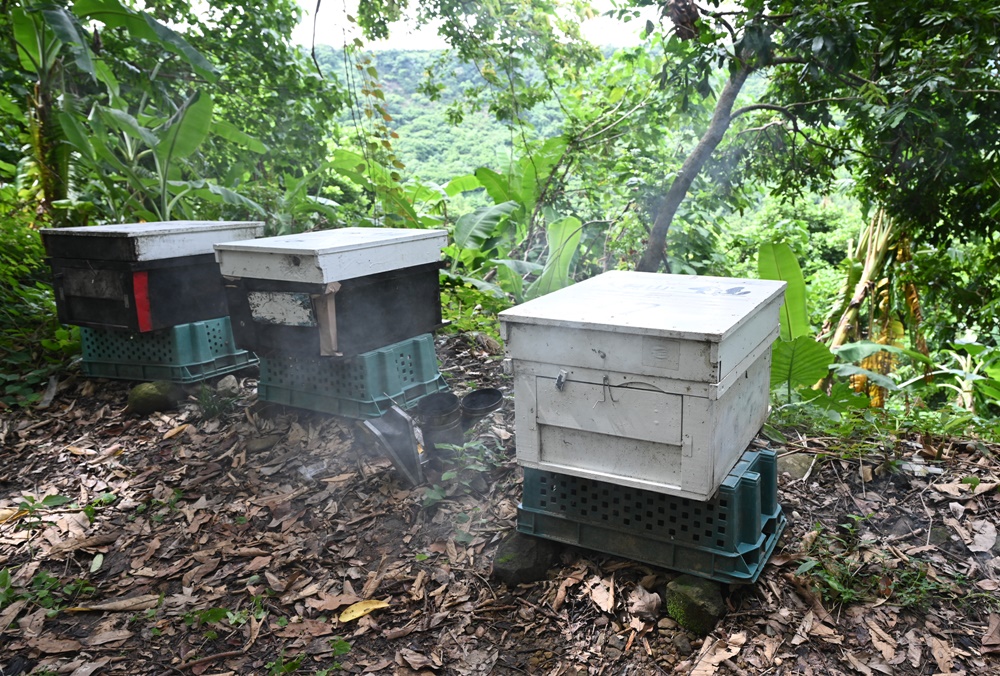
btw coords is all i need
(92, 666)
(991, 639)
(984, 536)
(105, 637)
(602, 592)
(881, 640)
(719, 651)
(143, 602)
(942, 654)
(50, 645)
(85, 543)
(643, 604)
(574, 578)
(306, 628)
(413, 659)
(858, 664)
(10, 613)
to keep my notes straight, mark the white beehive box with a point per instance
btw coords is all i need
(333, 292)
(330, 255)
(141, 276)
(646, 380)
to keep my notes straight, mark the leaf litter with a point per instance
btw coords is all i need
(271, 540)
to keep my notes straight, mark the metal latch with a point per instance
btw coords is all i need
(561, 380)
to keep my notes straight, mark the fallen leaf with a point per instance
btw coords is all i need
(858, 664)
(574, 578)
(643, 604)
(719, 651)
(361, 608)
(143, 602)
(942, 654)
(602, 592)
(331, 601)
(881, 640)
(10, 613)
(175, 431)
(984, 536)
(991, 639)
(105, 637)
(90, 667)
(412, 658)
(54, 645)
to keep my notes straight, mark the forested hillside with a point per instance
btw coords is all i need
(441, 135)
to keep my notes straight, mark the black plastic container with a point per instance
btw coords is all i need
(479, 403)
(440, 418)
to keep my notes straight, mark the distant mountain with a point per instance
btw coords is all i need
(433, 149)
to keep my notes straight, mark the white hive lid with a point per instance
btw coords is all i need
(683, 307)
(145, 241)
(330, 255)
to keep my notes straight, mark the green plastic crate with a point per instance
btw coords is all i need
(184, 353)
(727, 538)
(734, 518)
(741, 567)
(363, 386)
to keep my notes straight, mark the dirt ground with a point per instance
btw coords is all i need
(270, 541)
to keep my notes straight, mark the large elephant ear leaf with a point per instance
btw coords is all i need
(474, 228)
(802, 361)
(187, 129)
(778, 262)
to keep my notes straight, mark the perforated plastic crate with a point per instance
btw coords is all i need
(363, 386)
(740, 567)
(745, 501)
(183, 354)
(727, 538)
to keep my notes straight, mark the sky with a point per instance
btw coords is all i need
(332, 28)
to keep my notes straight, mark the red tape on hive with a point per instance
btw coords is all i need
(140, 288)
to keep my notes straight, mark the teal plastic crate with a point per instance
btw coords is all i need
(185, 353)
(741, 567)
(363, 386)
(745, 501)
(727, 538)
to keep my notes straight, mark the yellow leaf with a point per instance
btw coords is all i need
(361, 608)
(177, 430)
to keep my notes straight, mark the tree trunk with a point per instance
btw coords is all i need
(653, 255)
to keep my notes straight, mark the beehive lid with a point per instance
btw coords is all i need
(684, 307)
(136, 242)
(330, 255)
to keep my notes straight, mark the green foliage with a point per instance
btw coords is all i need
(838, 571)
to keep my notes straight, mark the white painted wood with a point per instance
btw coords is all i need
(717, 320)
(168, 239)
(671, 436)
(604, 409)
(330, 255)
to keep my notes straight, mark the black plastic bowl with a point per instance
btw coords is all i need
(480, 402)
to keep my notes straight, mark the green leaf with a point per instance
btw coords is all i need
(855, 352)
(144, 27)
(497, 186)
(564, 241)
(777, 262)
(461, 184)
(186, 130)
(237, 136)
(472, 229)
(802, 361)
(847, 370)
(62, 24)
(54, 500)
